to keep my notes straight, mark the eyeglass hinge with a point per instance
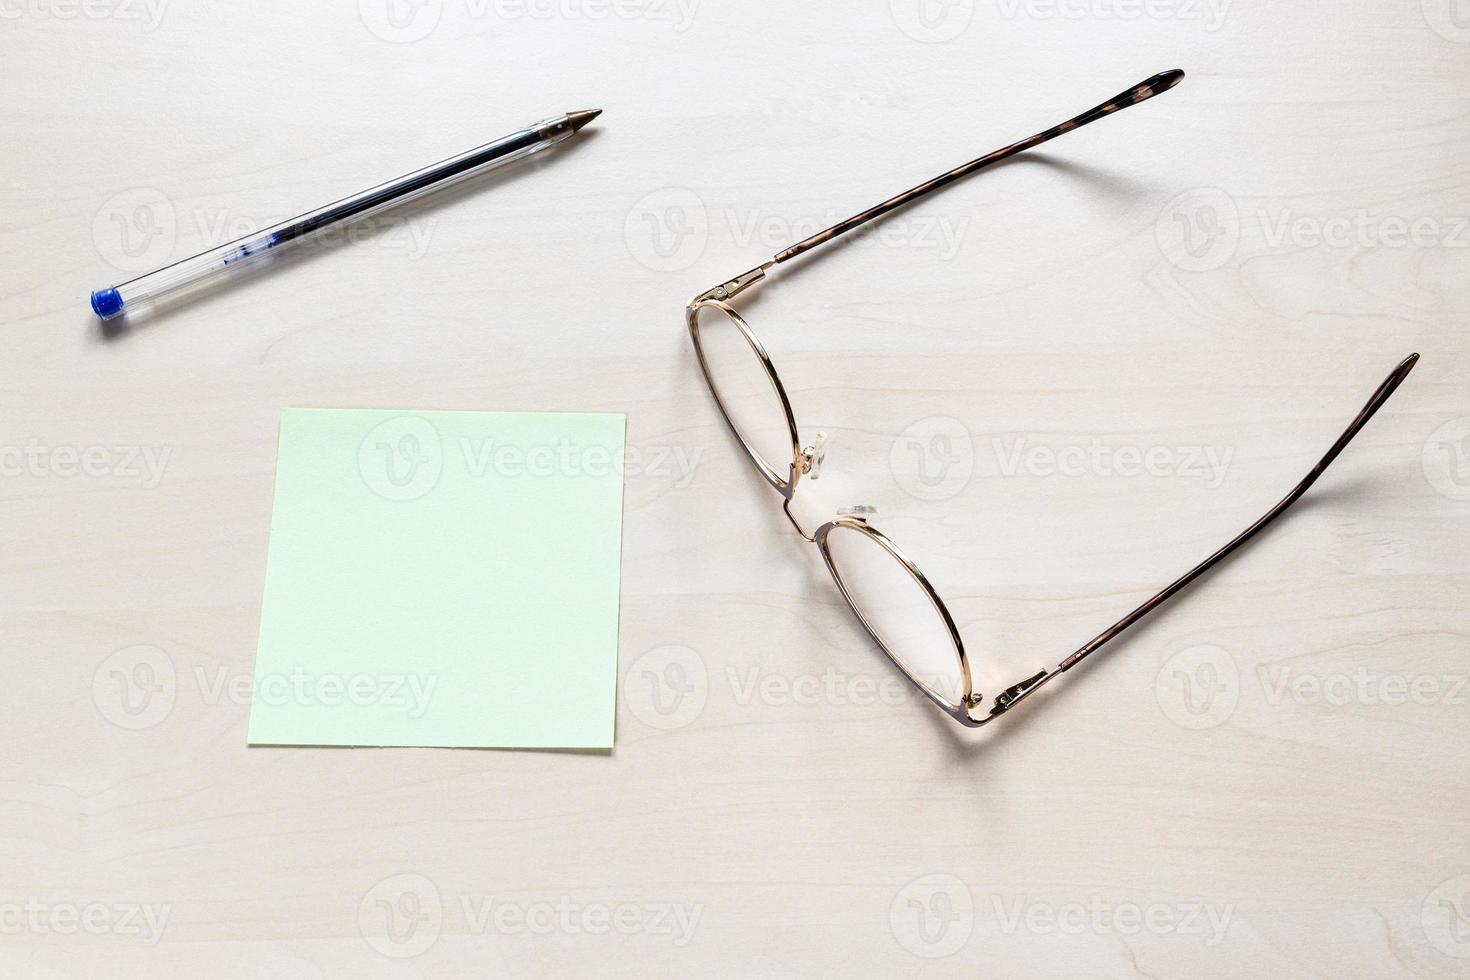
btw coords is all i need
(737, 285)
(1012, 694)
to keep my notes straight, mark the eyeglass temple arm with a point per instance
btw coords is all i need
(1011, 695)
(1141, 92)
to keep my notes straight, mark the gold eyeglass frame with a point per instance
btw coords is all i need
(803, 458)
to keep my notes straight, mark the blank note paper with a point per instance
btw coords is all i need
(442, 579)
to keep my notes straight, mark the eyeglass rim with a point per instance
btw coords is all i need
(786, 487)
(959, 710)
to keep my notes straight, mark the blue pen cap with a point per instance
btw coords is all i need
(107, 303)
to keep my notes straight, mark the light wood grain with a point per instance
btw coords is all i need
(793, 809)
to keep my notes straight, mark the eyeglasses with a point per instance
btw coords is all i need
(893, 600)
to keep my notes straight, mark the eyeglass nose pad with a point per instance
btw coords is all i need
(859, 512)
(813, 456)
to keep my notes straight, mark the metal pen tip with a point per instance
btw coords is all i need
(582, 117)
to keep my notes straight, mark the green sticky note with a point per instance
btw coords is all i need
(442, 579)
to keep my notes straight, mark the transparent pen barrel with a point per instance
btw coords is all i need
(259, 247)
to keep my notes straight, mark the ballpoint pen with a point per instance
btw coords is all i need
(135, 295)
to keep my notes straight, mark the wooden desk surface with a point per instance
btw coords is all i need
(1062, 383)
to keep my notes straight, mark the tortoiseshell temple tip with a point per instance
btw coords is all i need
(1389, 386)
(1396, 378)
(1150, 87)
(1401, 372)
